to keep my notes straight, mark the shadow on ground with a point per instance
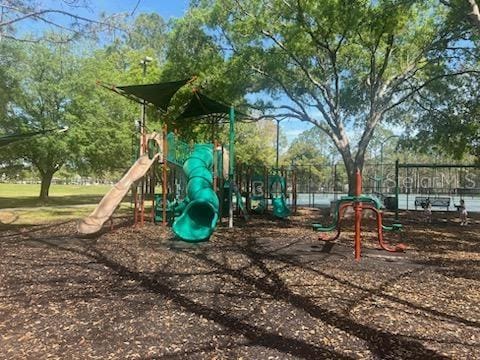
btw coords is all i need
(251, 292)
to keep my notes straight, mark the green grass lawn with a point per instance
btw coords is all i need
(55, 190)
(19, 203)
(26, 195)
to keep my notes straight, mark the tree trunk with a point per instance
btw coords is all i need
(475, 13)
(351, 182)
(355, 161)
(45, 185)
(351, 173)
(350, 168)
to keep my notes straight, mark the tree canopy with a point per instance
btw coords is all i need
(56, 90)
(340, 65)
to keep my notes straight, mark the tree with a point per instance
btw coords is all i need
(46, 76)
(149, 31)
(475, 13)
(448, 125)
(192, 53)
(310, 147)
(340, 65)
(58, 90)
(464, 11)
(9, 56)
(255, 143)
(448, 110)
(311, 154)
(104, 123)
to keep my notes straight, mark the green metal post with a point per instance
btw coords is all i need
(278, 145)
(231, 167)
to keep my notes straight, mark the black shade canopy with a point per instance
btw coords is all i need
(8, 139)
(201, 105)
(156, 94)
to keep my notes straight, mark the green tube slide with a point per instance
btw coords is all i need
(199, 218)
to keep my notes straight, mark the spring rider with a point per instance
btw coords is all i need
(359, 203)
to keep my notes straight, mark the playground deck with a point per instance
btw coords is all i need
(264, 290)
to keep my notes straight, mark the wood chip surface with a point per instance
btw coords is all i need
(267, 289)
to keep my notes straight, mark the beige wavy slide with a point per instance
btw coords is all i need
(105, 208)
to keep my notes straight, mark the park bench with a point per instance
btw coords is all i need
(435, 202)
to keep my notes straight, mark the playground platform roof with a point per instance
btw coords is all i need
(200, 106)
(158, 95)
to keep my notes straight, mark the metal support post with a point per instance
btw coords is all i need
(231, 167)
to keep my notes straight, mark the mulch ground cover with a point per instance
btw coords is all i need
(267, 289)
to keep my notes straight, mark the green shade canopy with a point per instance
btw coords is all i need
(155, 94)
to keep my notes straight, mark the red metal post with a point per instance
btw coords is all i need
(142, 204)
(135, 206)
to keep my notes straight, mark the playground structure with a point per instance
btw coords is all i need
(197, 180)
(265, 188)
(199, 218)
(197, 190)
(359, 203)
(94, 222)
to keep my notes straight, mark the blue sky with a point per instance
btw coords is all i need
(166, 8)
(93, 8)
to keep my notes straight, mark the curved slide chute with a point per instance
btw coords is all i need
(199, 218)
(279, 204)
(280, 207)
(105, 208)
